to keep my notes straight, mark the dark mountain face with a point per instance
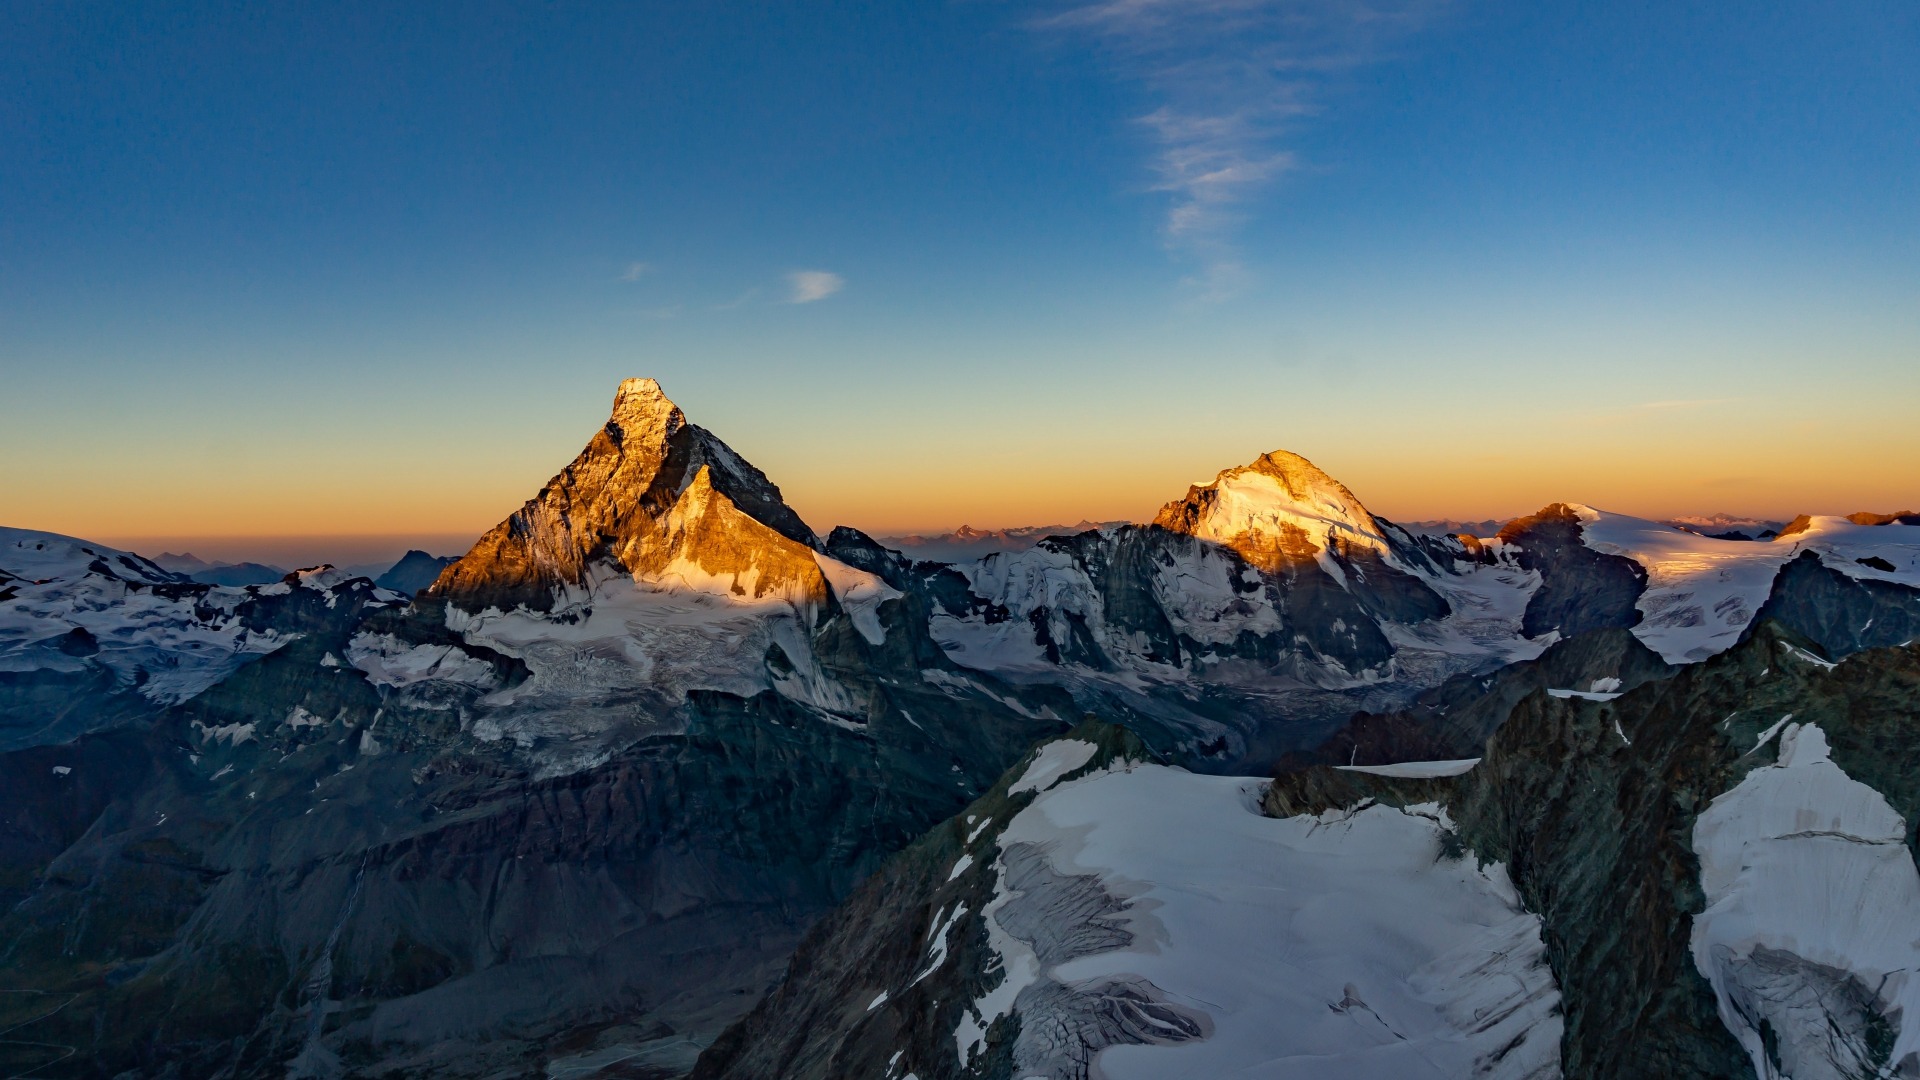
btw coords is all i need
(414, 572)
(1843, 614)
(1456, 718)
(1580, 588)
(240, 574)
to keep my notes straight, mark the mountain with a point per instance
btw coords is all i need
(1711, 875)
(573, 807)
(219, 573)
(1454, 526)
(1259, 612)
(415, 571)
(91, 636)
(574, 804)
(651, 496)
(180, 563)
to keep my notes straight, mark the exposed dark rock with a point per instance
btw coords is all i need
(239, 574)
(1455, 719)
(1843, 614)
(1580, 588)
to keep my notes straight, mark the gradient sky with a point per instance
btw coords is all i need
(292, 269)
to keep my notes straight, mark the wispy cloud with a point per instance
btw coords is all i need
(740, 301)
(1232, 79)
(806, 286)
(637, 270)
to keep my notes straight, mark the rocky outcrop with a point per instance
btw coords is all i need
(1842, 613)
(624, 500)
(1456, 718)
(1580, 588)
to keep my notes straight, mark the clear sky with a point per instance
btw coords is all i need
(277, 269)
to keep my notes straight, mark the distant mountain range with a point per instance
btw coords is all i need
(656, 780)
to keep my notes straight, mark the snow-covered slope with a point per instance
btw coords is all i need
(67, 604)
(1231, 944)
(1811, 934)
(1702, 592)
(1280, 511)
(93, 637)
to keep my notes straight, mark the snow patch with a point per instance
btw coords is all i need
(1343, 945)
(1416, 770)
(1812, 925)
(1056, 759)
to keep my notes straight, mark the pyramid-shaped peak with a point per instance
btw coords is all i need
(613, 503)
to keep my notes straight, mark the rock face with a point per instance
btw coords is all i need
(619, 501)
(1580, 589)
(1840, 612)
(1455, 719)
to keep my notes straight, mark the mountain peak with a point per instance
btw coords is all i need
(1279, 510)
(641, 410)
(611, 504)
(1302, 478)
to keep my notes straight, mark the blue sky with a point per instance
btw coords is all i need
(377, 268)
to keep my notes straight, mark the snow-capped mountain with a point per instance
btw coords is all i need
(658, 564)
(91, 636)
(579, 799)
(1264, 607)
(653, 497)
(573, 807)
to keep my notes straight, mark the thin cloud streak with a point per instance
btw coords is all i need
(810, 285)
(1234, 78)
(740, 301)
(637, 270)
